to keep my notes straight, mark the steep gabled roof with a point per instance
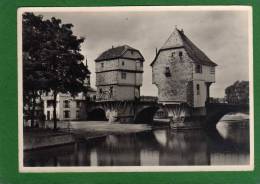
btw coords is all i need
(179, 40)
(116, 52)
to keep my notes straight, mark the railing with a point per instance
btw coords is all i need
(217, 100)
(148, 99)
(225, 101)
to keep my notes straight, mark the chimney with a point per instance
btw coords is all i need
(182, 31)
(112, 46)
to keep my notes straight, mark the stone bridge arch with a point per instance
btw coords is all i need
(96, 114)
(216, 111)
(145, 114)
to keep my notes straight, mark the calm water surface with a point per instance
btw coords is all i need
(228, 145)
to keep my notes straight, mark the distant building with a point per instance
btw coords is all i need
(38, 111)
(238, 93)
(182, 72)
(119, 74)
(68, 107)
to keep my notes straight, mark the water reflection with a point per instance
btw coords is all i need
(234, 147)
(183, 148)
(227, 146)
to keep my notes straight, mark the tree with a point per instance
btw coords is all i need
(56, 53)
(33, 75)
(238, 93)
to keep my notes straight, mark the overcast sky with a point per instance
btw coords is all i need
(221, 35)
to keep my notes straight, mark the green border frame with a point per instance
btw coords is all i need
(9, 115)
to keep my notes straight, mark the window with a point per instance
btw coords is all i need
(198, 89)
(49, 103)
(66, 103)
(123, 63)
(78, 104)
(100, 91)
(111, 91)
(102, 65)
(48, 115)
(141, 64)
(66, 114)
(173, 55)
(212, 70)
(123, 75)
(77, 114)
(180, 54)
(167, 72)
(198, 69)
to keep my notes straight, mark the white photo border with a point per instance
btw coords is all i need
(23, 169)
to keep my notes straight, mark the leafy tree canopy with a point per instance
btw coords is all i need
(51, 55)
(51, 59)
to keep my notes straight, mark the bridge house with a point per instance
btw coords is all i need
(182, 72)
(119, 74)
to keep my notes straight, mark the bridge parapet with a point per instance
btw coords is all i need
(148, 99)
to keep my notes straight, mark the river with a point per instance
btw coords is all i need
(227, 145)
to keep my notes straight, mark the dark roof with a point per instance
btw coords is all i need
(116, 52)
(192, 50)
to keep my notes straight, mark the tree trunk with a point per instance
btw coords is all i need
(54, 110)
(33, 110)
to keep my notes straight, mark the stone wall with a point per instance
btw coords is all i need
(107, 65)
(206, 75)
(173, 87)
(111, 75)
(119, 93)
(106, 78)
(201, 97)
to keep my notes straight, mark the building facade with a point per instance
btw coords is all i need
(182, 72)
(69, 107)
(119, 74)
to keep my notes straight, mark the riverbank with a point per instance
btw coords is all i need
(37, 138)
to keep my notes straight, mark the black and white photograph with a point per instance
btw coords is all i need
(126, 89)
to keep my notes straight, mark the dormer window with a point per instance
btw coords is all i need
(198, 68)
(167, 72)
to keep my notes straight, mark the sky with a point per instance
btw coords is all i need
(221, 35)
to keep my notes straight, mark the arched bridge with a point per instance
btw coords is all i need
(144, 109)
(215, 111)
(139, 111)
